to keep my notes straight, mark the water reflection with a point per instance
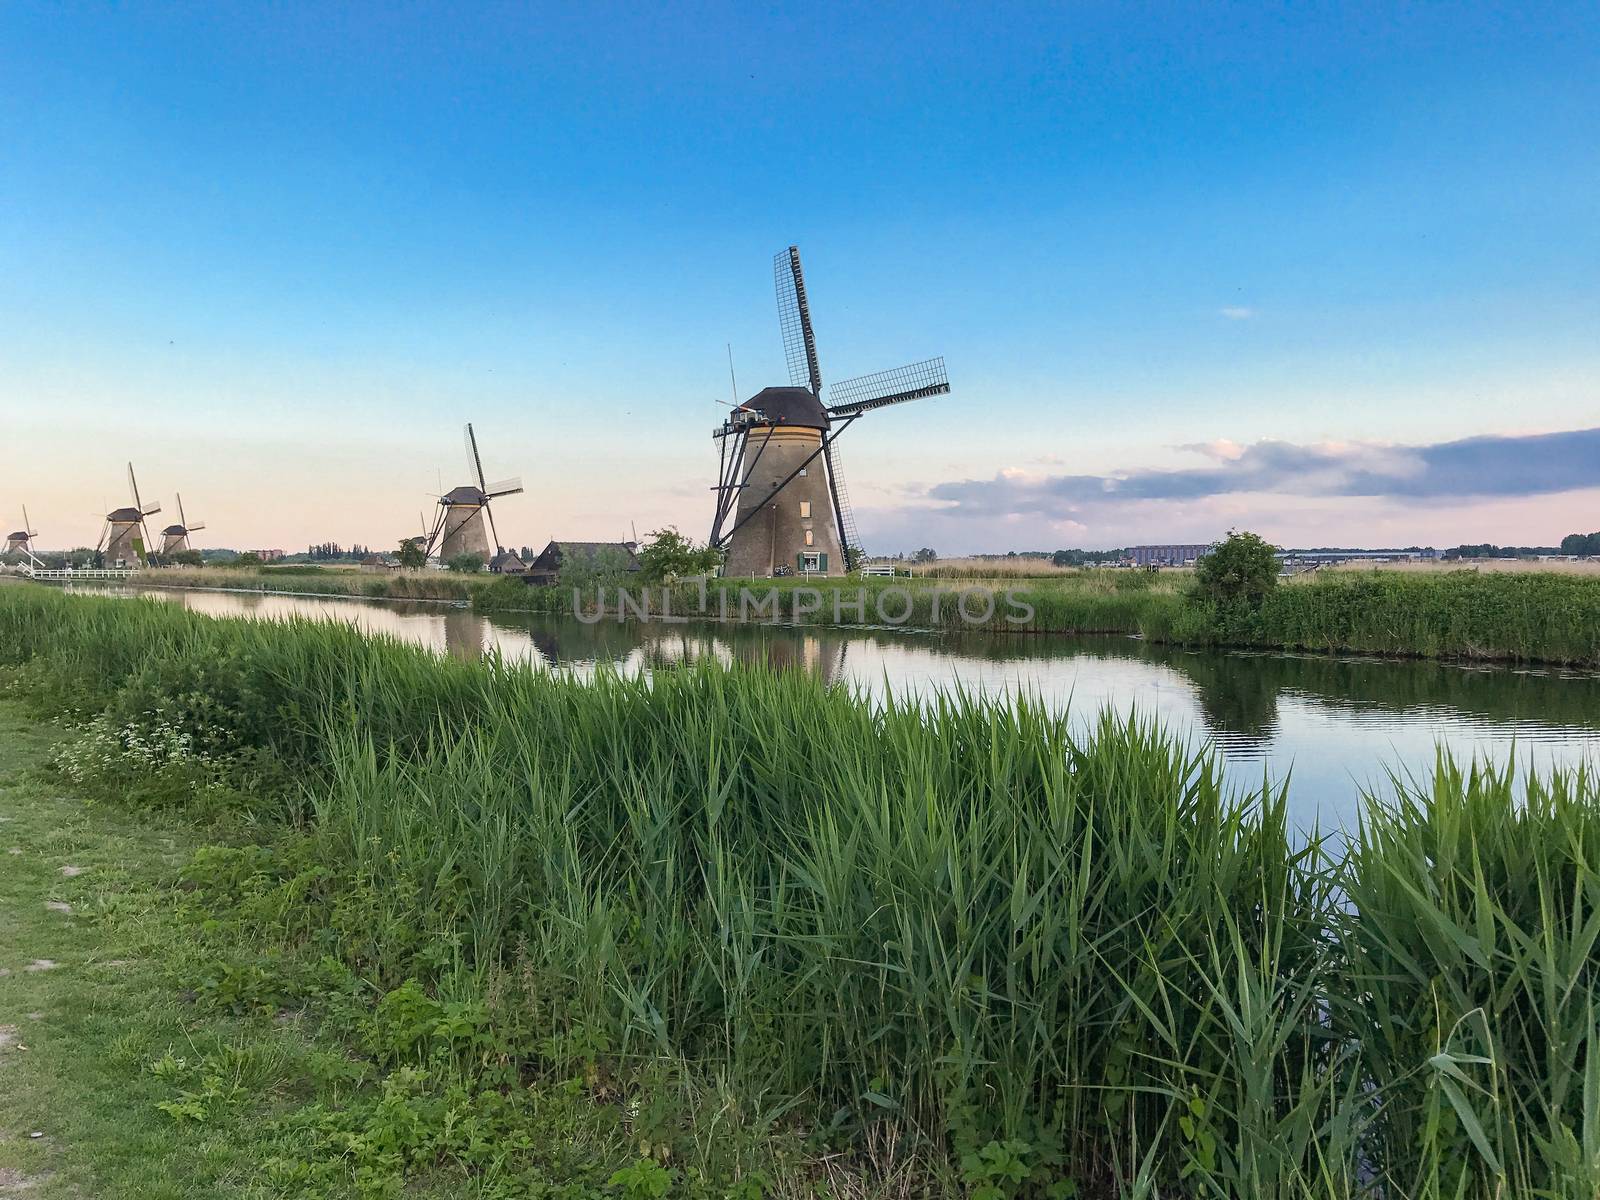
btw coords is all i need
(1331, 723)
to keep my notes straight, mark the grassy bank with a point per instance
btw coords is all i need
(1528, 616)
(947, 949)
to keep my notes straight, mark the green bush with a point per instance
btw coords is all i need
(1238, 572)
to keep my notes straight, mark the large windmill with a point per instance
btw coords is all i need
(781, 503)
(459, 527)
(124, 537)
(21, 541)
(175, 538)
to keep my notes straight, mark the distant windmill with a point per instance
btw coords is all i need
(459, 527)
(779, 482)
(21, 541)
(175, 538)
(124, 537)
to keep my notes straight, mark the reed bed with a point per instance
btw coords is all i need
(962, 919)
(1544, 616)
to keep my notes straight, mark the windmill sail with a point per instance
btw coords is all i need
(794, 320)
(145, 510)
(473, 460)
(867, 392)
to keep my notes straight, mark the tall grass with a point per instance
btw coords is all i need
(1474, 983)
(957, 917)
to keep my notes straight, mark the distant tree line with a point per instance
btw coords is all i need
(328, 551)
(1581, 543)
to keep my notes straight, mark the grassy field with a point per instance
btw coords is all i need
(780, 941)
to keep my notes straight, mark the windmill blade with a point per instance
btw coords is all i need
(794, 320)
(473, 459)
(27, 525)
(133, 488)
(867, 392)
(151, 509)
(101, 543)
(198, 525)
(494, 533)
(182, 520)
(843, 515)
(505, 487)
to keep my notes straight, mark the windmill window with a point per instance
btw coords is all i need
(805, 508)
(802, 472)
(808, 537)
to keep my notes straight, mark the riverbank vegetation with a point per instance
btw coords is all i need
(1524, 616)
(775, 939)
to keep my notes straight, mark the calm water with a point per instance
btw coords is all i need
(1329, 725)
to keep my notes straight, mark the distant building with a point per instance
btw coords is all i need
(1328, 557)
(1166, 556)
(546, 568)
(266, 556)
(507, 563)
(379, 562)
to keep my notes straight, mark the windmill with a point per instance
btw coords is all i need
(459, 527)
(175, 538)
(124, 537)
(21, 542)
(781, 502)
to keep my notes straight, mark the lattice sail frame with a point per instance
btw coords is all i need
(794, 321)
(864, 393)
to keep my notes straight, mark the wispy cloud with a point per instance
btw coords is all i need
(1237, 312)
(1482, 467)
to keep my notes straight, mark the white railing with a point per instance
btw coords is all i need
(69, 574)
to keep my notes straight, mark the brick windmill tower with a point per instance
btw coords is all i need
(782, 507)
(175, 538)
(124, 537)
(465, 524)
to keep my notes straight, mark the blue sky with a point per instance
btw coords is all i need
(279, 254)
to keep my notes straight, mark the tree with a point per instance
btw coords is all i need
(926, 555)
(248, 559)
(671, 556)
(607, 566)
(465, 564)
(1240, 569)
(1581, 543)
(411, 556)
(186, 558)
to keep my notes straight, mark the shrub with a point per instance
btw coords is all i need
(1239, 570)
